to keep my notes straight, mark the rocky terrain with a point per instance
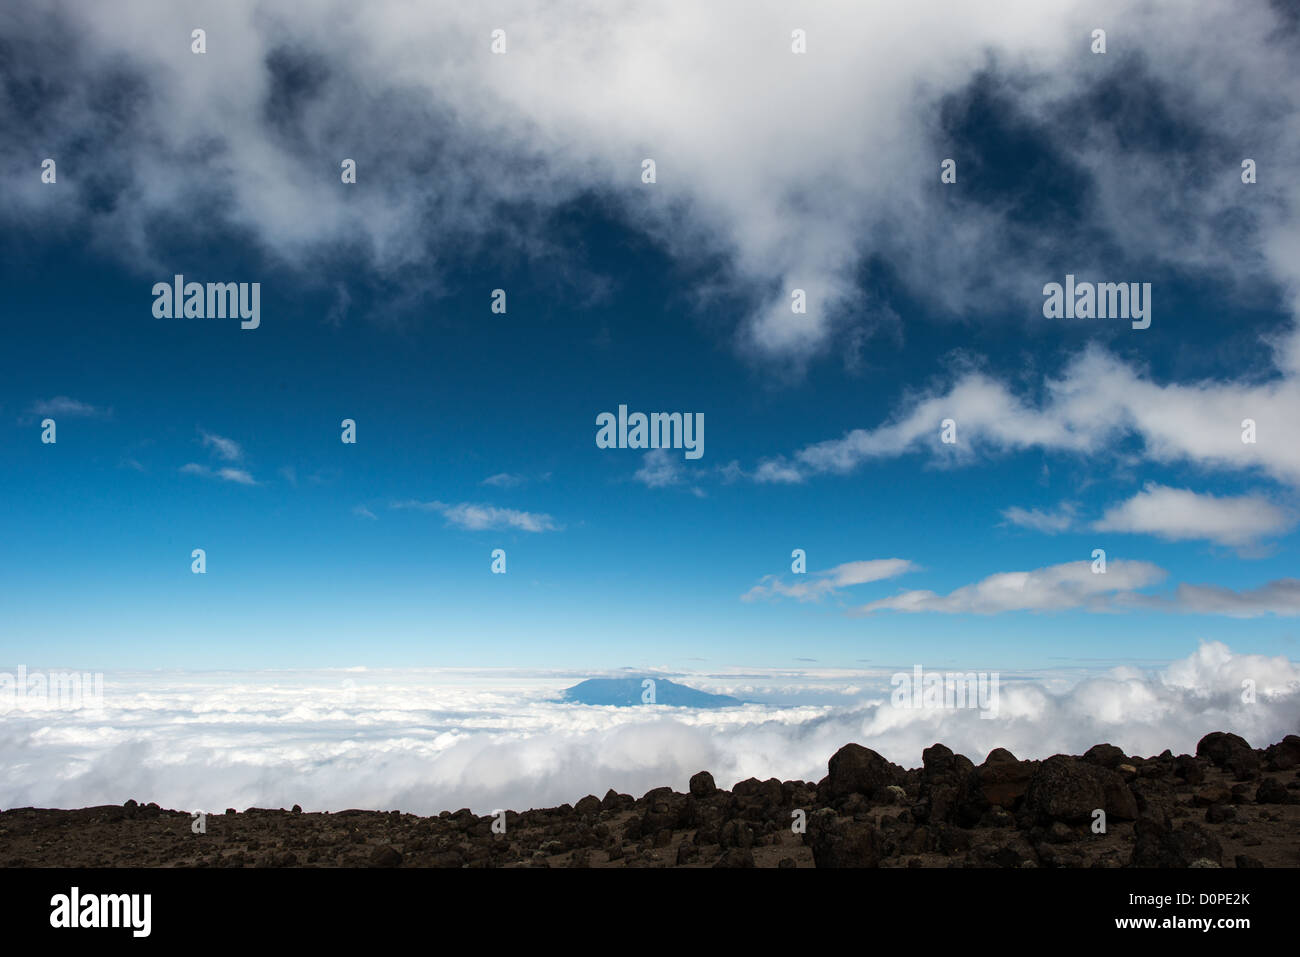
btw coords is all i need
(1229, 805)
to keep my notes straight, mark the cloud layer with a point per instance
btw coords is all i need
(425, 741)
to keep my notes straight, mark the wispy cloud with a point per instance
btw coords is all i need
(1055, 588)
(1050, 523)
(224, 448)
(226, 474)
(1074, 585)
(1280, 598)
(660, 469)
(818, 585)
(477, 517)
(62, 406)
(514, 479)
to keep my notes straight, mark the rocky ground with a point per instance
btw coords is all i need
(1229, 805)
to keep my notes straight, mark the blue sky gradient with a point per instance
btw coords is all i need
(315, 566)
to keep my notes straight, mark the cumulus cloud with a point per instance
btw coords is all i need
(587, 89)
(1142, 711)
(820, 584)
(1090, 409)
(1055, 588)
(482, 517)
(1180, 514)
(427, 741)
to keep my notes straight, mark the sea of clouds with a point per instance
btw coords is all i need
(424, 740)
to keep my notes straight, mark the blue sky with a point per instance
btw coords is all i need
(664, 297)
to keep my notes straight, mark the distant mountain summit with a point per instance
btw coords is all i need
(634, 692)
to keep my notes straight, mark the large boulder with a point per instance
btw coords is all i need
(845, 843)
(1230, 752)
(944, 794)
(736, 857)
(385, 856)
(736, 833)
(1159, 846)
(1066, 789)
(1119, 800)
(664, 808)
(763, 793)
(1063, 789)
(854, 769)
(1273, 791)
(1189, 769)
(1105, 755)
(702, 785)
(1002, 780)
(1283, 756)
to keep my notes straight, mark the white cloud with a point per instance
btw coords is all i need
(589, 88)
(61, 406)
(224, 448)
(482, 517)
(505, 480)
(1075, 585)
(238, 476)
(1280, 597)
(1097, 402)
(1180, 514)
(659, 469)
(1055, 588)
(425, 741)
(820, 584)
(1050, 523)
(777, 472)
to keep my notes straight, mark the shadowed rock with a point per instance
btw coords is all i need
(854, 769)
(1231, 752)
